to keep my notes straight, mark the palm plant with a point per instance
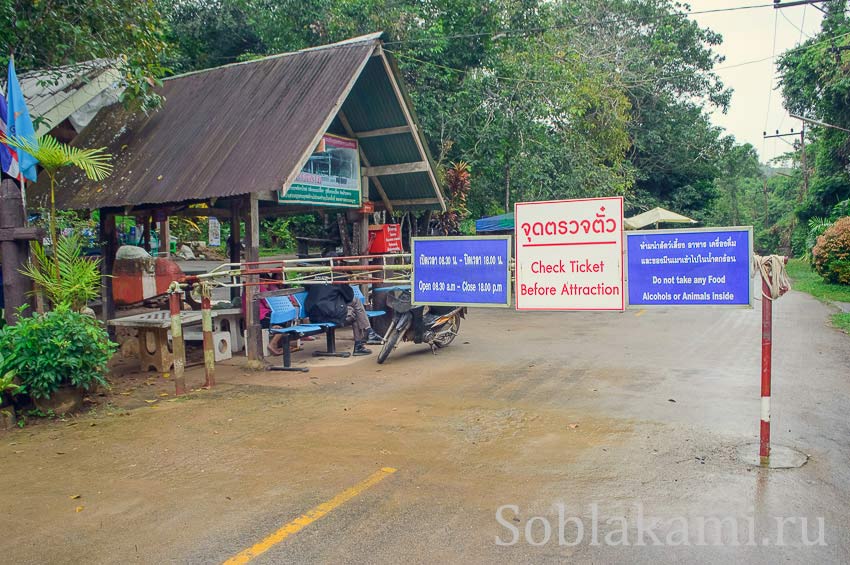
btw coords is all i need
(52, 155)
(816, 228)
(70, 279)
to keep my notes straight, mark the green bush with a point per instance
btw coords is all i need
(61, 347)
(831, 254)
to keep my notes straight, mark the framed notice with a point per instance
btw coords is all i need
(331, 176)
(462, 271)
(214, 232)
(569, 254)
(690, 267)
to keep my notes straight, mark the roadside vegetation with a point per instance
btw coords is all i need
(805, 279)
(58, 348)
(537, 99)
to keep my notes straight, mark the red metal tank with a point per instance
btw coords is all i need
(139, 279)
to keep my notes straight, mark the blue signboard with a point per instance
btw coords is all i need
(708, 267)
(462, 271)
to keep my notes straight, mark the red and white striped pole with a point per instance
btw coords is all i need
(178, 346)
(766, 351)
(209, 346)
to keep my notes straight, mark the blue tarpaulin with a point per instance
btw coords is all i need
(505, 222)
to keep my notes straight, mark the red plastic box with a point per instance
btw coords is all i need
(385, 238)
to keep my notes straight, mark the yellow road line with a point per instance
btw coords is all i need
(640, 312)
(311, 516)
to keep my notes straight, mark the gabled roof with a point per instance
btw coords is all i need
(250, 127)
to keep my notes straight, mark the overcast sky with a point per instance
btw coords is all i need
(748, 35)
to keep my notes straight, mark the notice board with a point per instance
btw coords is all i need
(462, 271)
(690, 267)
(569, 254)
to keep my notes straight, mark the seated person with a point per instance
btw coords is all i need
(266, 312)
(336, 303)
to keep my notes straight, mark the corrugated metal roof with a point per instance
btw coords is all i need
(504, 222)
(237, 129)
(60, 93)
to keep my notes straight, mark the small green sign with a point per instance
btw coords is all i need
(321, 195)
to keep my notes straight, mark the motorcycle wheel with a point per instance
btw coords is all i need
(444, 340)
(389, 345)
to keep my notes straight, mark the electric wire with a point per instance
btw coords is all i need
(773, 56)
(506, 32)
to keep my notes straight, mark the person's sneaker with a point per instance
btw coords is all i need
(360, 349)
(374, 338)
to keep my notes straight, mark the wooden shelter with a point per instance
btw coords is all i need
(237, 137)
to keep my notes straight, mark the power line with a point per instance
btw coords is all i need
(770, 91)
(527, 31)
(800, 29)
(637, 83)
(799, 42)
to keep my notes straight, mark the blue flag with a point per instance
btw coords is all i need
(20, 124)
(8, 156)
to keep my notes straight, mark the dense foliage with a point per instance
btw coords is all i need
(815, 84)
(831, 255)
(61, 347)
(542, 99)
(46, 35)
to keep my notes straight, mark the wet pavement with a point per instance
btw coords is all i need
(629, 425)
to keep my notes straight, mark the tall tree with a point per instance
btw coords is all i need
(815, 84)
(544, 99)
(48, 34)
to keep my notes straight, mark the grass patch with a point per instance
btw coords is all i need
(272, 251)
(841, 320)
(804, 279)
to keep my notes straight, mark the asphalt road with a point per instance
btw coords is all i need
(611, 415)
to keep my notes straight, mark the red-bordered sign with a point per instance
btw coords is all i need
(569, 254)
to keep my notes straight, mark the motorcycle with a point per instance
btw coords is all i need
(436, 326)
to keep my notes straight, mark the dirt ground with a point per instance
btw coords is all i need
(624, 413)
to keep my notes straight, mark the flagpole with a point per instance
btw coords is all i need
(24, 198)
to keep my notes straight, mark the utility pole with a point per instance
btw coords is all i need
(805, 190)
(788, 4)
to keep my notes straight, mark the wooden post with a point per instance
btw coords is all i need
(109, 247)
(254, 343)
(146, 241)
(363, 244)
(15, 249)
(235, 240)
(343, 234)
(165, 238)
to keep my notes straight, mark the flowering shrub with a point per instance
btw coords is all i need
(831, 254)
